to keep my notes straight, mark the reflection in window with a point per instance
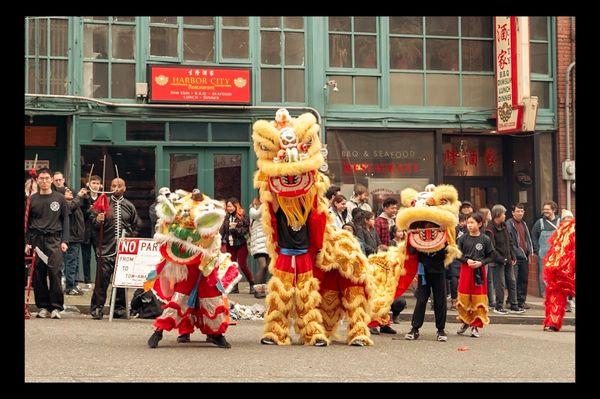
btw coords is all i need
(442, 90)
(183, 171)
(151, 131)
(356, 47)
(227, 176)
(235, 43)
(406, 89)
(406, 53)
(472, 156)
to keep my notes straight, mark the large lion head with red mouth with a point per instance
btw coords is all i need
(289, 156)
(429, 218)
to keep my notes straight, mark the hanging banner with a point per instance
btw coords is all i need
(199, 84)
(509, 111)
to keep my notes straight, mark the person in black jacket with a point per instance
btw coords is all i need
(121, 220)
(77, 232)
(48, 230)
(504, 274)
(87, 244)
(365, 231)
(522, 247)
(234, 230)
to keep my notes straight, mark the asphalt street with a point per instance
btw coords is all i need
(78, 349)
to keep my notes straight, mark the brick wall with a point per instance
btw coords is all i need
(565, 45)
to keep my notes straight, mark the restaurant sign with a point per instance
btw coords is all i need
(509, 110)
(199, 84)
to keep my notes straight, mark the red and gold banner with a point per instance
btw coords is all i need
(196, 84)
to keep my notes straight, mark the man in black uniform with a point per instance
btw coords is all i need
(48, 230)
(121, 218)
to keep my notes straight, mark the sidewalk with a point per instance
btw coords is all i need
(535, 315)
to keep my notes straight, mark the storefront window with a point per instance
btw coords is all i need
(472, 156)
(522, 170)
(151, 131)
(136, 165)
(386, 162)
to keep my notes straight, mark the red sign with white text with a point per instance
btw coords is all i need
(509, 112)
(199, 84)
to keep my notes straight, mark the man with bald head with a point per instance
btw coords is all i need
(121, 220)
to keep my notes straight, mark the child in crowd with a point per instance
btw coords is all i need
(477, 250)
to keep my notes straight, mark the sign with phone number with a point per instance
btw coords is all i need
(136, 257)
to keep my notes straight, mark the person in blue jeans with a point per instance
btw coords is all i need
(540, 236)
(77, 231)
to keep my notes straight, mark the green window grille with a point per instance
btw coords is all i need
(47, 55)
(282, 59)
(109, 57)
(441, 61)
(353, 62)
(540, 53)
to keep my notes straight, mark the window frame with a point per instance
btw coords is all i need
(35, 58)
(110, 60)
(282, 67)
(425, 71)
(357, 72)
(548, 78)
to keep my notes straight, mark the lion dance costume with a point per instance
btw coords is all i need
(193, 276)
(559, 274)
(319, 274)
(429, 218)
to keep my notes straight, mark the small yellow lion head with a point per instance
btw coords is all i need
(429, 217)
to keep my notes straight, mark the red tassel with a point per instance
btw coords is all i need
(102, 205)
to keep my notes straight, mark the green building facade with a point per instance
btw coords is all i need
(403, 101)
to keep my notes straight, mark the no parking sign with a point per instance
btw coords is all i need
(136, 258)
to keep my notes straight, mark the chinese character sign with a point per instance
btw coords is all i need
(508, 114)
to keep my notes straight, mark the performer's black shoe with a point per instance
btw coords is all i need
(267, 341)
(387, 330)
(359, 342)
(183, 338)
(97, 314)
(154, 338)
(218, 340)
(320, 342)
(550, 328)
(373, 330)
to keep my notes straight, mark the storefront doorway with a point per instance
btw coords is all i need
(480, 192)
(220, 173)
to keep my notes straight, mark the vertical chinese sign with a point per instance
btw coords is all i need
(509, 111)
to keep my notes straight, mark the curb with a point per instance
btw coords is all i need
(429, 317)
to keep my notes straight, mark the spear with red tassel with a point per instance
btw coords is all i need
(101, 206)
(32, 177)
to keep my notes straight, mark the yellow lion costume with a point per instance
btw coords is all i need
(429, 219)
(319, 273)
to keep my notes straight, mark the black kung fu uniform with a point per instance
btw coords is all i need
(48, 227)
(123, 218)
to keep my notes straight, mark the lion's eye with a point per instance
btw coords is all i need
(443, 201)
(264, 147)
(413, 202)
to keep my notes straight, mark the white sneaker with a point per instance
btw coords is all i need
(474, 332)
(55, 314)
(43, 314)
